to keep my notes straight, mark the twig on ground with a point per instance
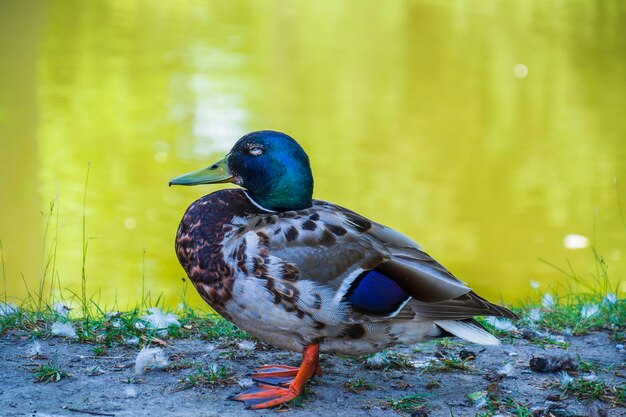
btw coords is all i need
(93, 413)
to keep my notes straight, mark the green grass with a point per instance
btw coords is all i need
(447, 342)
(387, 360)
(408, 404)
(588, 365)
(83, 275)
(507, 406)
(357, 385)
(448, 362)
(4, 273)
(49, 372)
(108, 330)
(98, 350)
(548, 341)
(566, 317)
(433, 384)
(215, 375)
(214, 327)
(596, 389)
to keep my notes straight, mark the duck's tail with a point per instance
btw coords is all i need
(468, 330)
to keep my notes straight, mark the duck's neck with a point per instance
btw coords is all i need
(293, 192)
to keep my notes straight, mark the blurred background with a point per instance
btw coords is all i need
(491, 132)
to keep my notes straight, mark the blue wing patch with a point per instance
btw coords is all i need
(376, 294)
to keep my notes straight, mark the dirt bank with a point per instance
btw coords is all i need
(433, 379)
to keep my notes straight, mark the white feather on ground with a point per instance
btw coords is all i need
(63, 330)
(589, 310)
(565, 379)
(34, 349)
(245, 382)
(130, 392)
(246, 345)
(478, 398)
(132, 341)
(61, 309)
(114, 318)
(506, 370)
(534, 315)
(504, 325)
(7, 309)
(378, 360)
(150, 358)
(160, 321)
(423, 362)
(468, 331)
(610, 298)
(547, 301)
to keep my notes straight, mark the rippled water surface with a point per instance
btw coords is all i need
(491, 132)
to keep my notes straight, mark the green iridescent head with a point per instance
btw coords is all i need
(271, 166)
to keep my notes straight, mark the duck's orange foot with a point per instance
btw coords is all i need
(275, 374)
(277, 384)
(265, 396)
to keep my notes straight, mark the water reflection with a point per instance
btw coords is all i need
(20, 228)
(488, 132)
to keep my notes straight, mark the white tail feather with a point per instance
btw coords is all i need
(468, 331)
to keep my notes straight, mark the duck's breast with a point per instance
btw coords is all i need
(199, 243)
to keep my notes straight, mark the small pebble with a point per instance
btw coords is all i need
(467, 355)
(552, 363)
(506, 370)
(245, 382)
(130, 392)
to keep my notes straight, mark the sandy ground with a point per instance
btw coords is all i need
(108, 385)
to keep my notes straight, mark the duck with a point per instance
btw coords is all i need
(309, 276)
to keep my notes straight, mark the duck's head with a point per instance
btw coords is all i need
(271, 166)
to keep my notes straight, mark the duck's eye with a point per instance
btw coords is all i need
(256, 150)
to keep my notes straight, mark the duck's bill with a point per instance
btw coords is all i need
(216, 173)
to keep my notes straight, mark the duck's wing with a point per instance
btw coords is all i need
(377, 272)
(437, 294)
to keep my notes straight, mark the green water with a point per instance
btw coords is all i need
(486, 130)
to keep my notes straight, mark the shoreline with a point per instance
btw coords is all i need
(203, 360)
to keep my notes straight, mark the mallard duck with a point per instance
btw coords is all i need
(310, 276)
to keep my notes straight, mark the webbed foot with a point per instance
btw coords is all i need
(277, 384)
